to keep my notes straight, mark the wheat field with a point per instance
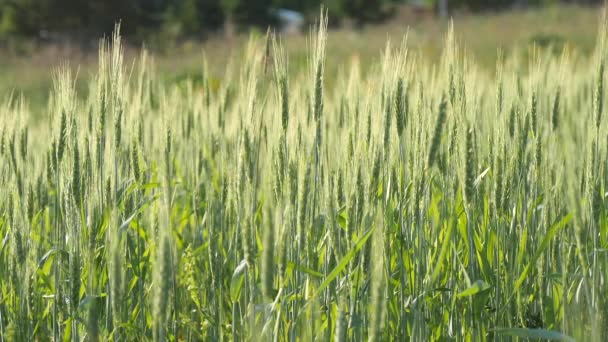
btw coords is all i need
(417, 201)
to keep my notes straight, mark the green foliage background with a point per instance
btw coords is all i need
(187, 17)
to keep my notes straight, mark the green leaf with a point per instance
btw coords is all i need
(344, 262)
(447, 239)
(543, 246)
(341, 221)
(127, 222)
(45, 257)
(550, 335)
(236, 283)
(305, 269)
(4, 241)
(149, 186)
(67, 333)
(477, 287)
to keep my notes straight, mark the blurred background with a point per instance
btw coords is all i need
(36, 35)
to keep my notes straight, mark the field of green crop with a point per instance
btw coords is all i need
(415, 201)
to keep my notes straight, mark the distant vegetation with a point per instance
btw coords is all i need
(91, 18)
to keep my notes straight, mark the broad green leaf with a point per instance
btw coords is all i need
(149, 186)
(477, 287)
(236, 283)
(305, 269)
(67, 333)
(126, 223)
(344, 262)
(46, 257)
(543, 246)
(341, 221)
(444, 248)
(4, 241)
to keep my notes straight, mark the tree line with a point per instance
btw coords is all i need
(197, 17)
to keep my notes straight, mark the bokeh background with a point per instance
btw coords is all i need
(38, 35)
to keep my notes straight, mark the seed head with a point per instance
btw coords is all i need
(284, 103)
(555, 113)
(470, 166)
(63, 135)
(599, 96)
(76, 177)
(441, 118)
(401, 102)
